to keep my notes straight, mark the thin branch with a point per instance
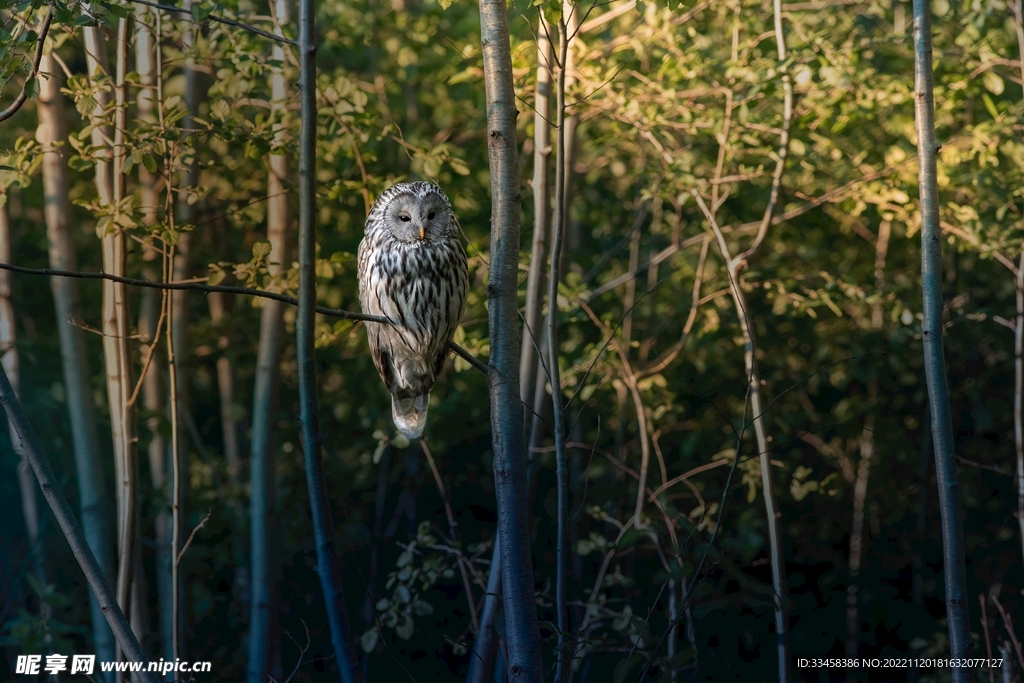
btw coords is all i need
(192, 535)
(219, 20)
(992, 468)
(1008, 623)
(226, 289)
(606, 18)
(23, 95)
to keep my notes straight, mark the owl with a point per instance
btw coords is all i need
(412, 270)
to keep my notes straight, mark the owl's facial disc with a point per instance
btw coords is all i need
(414, 219)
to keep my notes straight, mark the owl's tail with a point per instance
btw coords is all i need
(410, 413)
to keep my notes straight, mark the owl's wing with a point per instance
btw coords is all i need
(456, 289)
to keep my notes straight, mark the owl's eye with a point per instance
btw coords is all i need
(430, 216)
(405, 218)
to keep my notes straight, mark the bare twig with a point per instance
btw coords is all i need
(1008, 623)
(219, 20)
(226, 289)
(988, 641)
(193, 535)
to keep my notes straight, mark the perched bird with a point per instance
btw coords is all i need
(412, 270)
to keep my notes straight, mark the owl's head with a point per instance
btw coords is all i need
(412, 212)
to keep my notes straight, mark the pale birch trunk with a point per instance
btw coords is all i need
(268, 358)
(572, 13)
(1018, 390)
(531, 370)
(152, 304)
(951, 513)
(116, 352)
(52, 134)
(510, 481)
(178, 337)
(116, 342)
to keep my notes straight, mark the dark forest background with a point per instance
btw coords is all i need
(661, 100)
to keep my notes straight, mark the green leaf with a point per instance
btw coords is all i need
(120, 11)
(260, 250)
(368, 640)
(990, 105)
(201, 12)
(32, 88)
(993, 83)
(80, 164)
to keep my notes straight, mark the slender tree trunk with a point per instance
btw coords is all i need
(152, 307)
(52, 134)
(957, 612)
(561, 472)
(530, 352)
(1018, 389)
(573, 231)
(531, 370)
(323, 527)
(116, 340)
(268, 358)
(764, 453)
(181, 264)
(522, 635)
(69, 526)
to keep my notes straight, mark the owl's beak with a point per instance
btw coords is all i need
(423, 232)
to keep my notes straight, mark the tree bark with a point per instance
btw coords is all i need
(561, 471)
(523, 638)
(530, 352)
(323, 527)
(957, 612)
(268, 357)
(52, 134)
(531, 370)
(573, 231)
(1018, 391)
(185, 210)
(116, 329)
(152, 308)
